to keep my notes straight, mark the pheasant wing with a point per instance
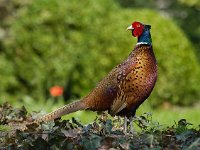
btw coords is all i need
(124, 94)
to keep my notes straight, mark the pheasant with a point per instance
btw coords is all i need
(125, 87)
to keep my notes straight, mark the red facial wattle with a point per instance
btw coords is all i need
(137, 32)
(137, 29)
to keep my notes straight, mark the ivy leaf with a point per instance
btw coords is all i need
(40, 143)
(70, 133)
(93, 142)
(87, 128)
(108, 126)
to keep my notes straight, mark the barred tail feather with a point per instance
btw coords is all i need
(67, 109)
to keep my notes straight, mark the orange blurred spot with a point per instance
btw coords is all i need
(56, 91)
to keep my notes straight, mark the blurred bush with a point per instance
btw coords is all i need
(74, 45)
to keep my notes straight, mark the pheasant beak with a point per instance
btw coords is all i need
(130, 28)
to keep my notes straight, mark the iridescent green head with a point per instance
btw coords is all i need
(141, 31)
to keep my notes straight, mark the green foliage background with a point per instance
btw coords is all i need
(45, 43)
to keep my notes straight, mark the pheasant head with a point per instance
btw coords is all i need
(141, 31)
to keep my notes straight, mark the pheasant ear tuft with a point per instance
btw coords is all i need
(148, 26)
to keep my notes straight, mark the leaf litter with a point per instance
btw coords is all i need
(103, 133)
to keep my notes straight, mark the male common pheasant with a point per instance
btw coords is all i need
(125, 87)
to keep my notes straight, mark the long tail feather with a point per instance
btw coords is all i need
(67, 109)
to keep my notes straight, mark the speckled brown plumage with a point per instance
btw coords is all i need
(125, 87)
